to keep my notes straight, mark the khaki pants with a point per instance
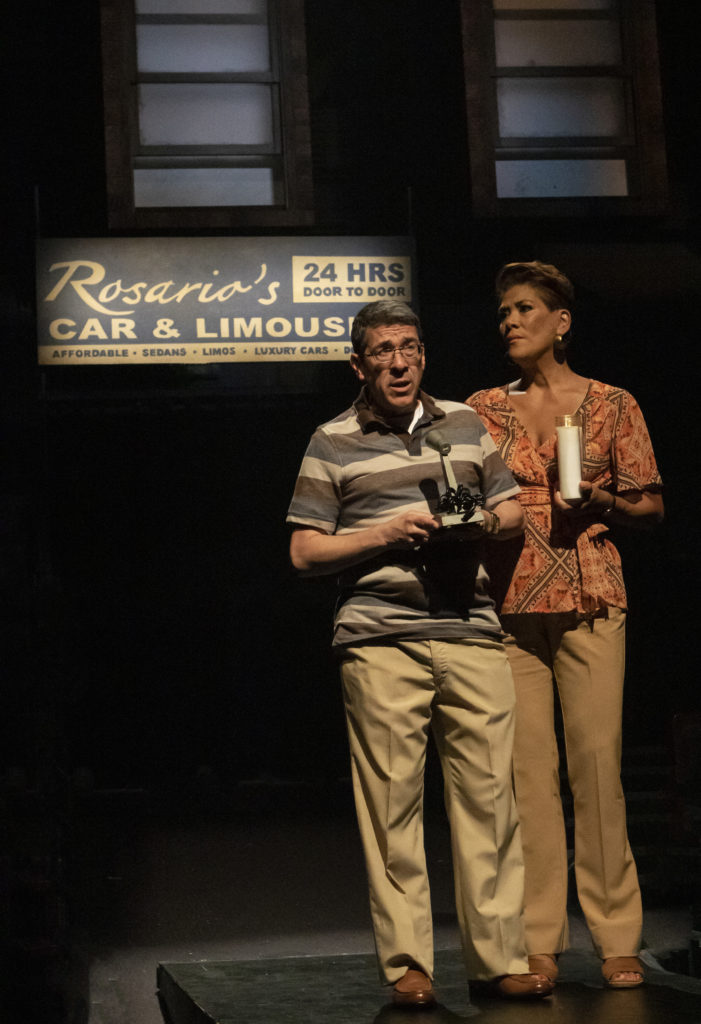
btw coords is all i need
(586, 660)
(464, 692)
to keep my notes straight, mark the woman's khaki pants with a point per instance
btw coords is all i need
(464, 692)
(586, 661)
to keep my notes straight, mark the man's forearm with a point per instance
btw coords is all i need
(316, 553)
(511, 519)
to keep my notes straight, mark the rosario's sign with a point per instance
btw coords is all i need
(207, 300)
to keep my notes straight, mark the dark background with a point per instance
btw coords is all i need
(152, 627)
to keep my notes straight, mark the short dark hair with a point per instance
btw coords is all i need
(380, 314)
(551, 284)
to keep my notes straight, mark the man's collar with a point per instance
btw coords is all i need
(370, 418)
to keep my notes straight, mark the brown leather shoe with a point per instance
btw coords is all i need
(414, 989)
(513, 986)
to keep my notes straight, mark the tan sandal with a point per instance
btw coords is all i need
(544, 963)
(615, 965)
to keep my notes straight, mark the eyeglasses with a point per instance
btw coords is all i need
(411, 350)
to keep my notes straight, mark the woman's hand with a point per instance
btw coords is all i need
(594, 501)
(642, 509)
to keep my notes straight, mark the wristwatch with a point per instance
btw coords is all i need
(609, 508)
(493, 524)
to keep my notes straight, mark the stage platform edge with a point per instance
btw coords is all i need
(344, 989)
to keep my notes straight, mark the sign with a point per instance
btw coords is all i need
(211, 300)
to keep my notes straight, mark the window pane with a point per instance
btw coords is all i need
(555, 5)
(204, 186)
(556, 43)
(201, 8)
(547, 107)
(190, 114)
(555, 179)
(186, 48)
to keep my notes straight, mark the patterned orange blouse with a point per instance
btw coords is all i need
(561, 564)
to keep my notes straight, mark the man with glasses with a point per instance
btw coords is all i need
(420, 648)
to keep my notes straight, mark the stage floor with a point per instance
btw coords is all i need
(342, 990)
(267, 908)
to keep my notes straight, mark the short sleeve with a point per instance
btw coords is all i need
(316, 500)
(635, 467)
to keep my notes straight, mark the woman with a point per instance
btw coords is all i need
(563, 603)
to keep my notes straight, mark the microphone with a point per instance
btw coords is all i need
(458, 505)
(435, 440)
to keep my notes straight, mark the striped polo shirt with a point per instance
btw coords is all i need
(358, 471)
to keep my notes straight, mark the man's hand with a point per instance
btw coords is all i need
(407, 529)
(317, 553)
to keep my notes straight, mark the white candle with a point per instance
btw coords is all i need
(569, 456)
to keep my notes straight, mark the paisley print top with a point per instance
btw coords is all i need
(561, 564)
